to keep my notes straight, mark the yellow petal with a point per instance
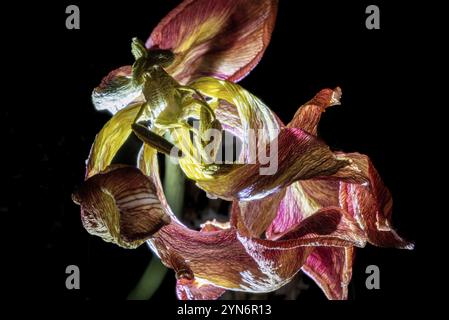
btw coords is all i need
(109, 140)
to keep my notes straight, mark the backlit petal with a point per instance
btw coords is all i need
(331, 269)
(116, 91)
(231, 259)
(220, 38)
(299, 155)
(110, 139)
(372, 205)
(121, 206)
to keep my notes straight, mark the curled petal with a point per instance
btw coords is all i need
(116, 91)
(331, 269)
(148, 164)
(216, 257)
(229, 118)
(304, 206)
(221, 38)
(299, 201)
(293, 153)
(229, 100)
(120, 205)
(257, 215)
(360, 190)
(327, 226)
(239, 112)
(230, 260)
(371, 204)
(299, 156)
(308, 115)
(110, 139)
(195, 290)
(281, 211)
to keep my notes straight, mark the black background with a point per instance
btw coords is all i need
(314, 45)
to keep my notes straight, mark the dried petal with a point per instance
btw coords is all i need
(195, 290)
(300, 201)
(298, 154)
(116, 91)
(221, 38)
(120, 205)
(371, 204)
(309, 114)
(232, 260)
(363, 200)
(331, 269)
(110, 139)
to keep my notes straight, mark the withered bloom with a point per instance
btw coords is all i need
(310, 213)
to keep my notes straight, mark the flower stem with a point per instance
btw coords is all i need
(174, 186)
(150, 281)
(155, 272)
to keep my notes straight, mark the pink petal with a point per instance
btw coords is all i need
(308, 115)
(372, 205)
(331, 269)
(301, 200)
(221, 38)
(193, 290)
(231, 259)
(299, 156)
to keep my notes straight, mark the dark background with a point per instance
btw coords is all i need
(314, 45)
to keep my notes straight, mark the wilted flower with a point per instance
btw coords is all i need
(307, 214)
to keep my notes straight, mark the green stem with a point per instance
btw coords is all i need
(155, 272)
(150, 281)
(174, 186)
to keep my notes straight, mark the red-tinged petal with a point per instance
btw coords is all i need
(227, 260)
(295, 154)
(192, 289)
(279, 212)
(371, 204)
(301, 200)
(299, 156)
(300, 210)
(120, 205)
(195, 290)
(331, 269)
(231, 259)
(367, 206)
(257, 215)
(327, 223)
(221, 38)
(308, 115)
